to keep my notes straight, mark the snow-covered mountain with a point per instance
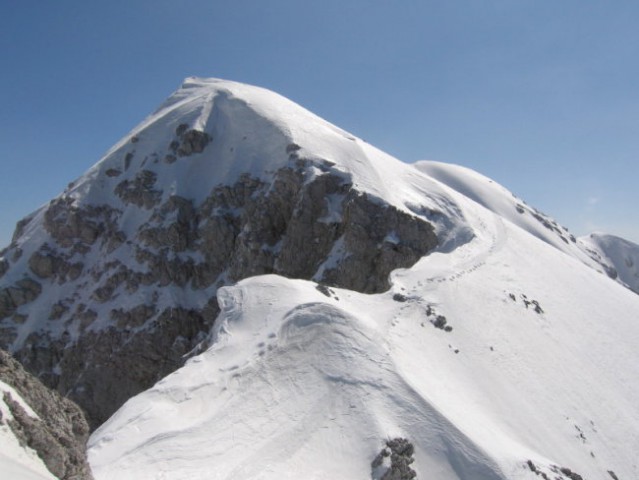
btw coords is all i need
(346, 315)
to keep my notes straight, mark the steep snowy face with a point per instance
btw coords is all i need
(224, 181)
(618, 258)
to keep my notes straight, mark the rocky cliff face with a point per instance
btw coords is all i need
(109, 287)
(60, 431)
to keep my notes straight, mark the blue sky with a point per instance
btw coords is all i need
(542, 96)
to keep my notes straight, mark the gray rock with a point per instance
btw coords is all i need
(77, 227)
(294, 226)
(107, 367)
(60, 433)
(42, 265)
(393, 461)
(140, 191)
(23, 291)
(4, 266)
(188, 142)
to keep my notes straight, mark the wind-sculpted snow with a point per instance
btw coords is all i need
(332, 300)
(313, 380)
(224, 181)
(293, 383)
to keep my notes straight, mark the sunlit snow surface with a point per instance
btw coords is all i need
(298, 384)
(541, 364)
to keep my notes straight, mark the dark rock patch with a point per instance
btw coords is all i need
(394, 460)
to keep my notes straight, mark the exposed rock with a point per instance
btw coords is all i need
(177, 231)
(378, 239)
(393, 462)
(133, 318)
(72, 226)
(23, 291)
(107, 367)
(41, 265)
(140, 191)
(20, 226)
(189, 141)
(58, 309)
(348, 240)
(45, 263)
(60, 433)
(292, 215)
(4, 266)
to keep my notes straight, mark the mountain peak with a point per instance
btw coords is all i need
(224, 181)
(317, 299)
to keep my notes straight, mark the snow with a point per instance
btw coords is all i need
(4, 409)
(298, 384)
(252, 131)
(617, 253)
(301, 382)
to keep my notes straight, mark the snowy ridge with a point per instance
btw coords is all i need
(222, 182)
(308, 384)
(604, 253)
(252, 126)
(470, 324)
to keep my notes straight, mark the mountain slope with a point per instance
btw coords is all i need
(336, 305)
(618, 257)
(224, 181)
(304, 383)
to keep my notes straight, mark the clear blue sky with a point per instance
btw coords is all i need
(541, 95)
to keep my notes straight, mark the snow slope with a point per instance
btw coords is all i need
(540, 366)
(250, 127)
(619, 256)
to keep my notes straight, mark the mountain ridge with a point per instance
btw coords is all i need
(422, 303)
(130, 256)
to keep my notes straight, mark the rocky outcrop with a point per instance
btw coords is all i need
(394, 461)
(308, 222)
(105, 368)
(20, 293)
(60, 432)
(70, 225)
(188, 141)
(140, 191)
(46, 263)
(4, 266)
(130, 256)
